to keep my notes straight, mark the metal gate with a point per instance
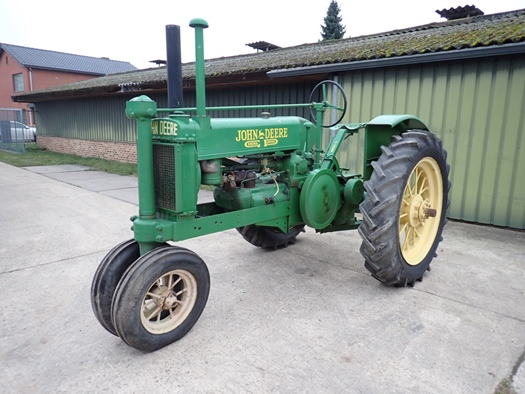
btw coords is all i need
(11, 132)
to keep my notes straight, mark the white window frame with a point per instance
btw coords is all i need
(18, 82)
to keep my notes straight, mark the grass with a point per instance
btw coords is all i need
(36, 156)
(504, 387)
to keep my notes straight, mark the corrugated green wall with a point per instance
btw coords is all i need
(477, 108)
(88, 118)
(103, 118)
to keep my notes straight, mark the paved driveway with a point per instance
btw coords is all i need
(308, 318)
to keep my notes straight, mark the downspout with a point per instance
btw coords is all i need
(32, 121)
(30, 79)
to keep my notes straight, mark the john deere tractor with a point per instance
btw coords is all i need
(272, 177)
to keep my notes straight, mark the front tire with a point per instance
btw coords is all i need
(106, 279)
(404, 210)
(160, 298)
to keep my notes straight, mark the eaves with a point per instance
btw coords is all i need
(433, 57)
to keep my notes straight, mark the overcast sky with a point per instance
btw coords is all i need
(134, 31)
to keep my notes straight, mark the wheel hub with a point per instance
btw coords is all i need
(166, 299)
(418, 211)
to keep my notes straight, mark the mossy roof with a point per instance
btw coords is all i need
(480, 31)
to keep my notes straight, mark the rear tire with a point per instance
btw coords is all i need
(269, 238)
(404, 210)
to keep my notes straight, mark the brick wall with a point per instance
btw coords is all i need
(116, 151)
(33, 80)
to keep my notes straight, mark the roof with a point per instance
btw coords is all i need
(461, 36)
(67, 62)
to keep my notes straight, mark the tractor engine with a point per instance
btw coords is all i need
(251, 162)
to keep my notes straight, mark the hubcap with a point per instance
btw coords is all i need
(420, 211)
(168, 302)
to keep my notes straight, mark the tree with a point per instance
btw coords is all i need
(332, 28)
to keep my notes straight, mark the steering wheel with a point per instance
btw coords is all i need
(321, 88)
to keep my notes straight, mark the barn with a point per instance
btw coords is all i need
(465, 78)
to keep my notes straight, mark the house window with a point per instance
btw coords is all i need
(7, 60)
(18, 82)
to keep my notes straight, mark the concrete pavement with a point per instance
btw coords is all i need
(308, 318)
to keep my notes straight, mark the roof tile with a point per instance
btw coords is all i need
(479, 31)
(52, 60)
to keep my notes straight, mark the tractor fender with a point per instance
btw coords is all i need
(379, 132)
(400, 122)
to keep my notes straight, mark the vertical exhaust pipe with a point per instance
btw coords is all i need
(173, 55)
(199, 25)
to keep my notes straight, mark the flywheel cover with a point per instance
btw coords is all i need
(320, 198)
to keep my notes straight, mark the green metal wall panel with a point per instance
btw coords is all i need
(477, 108)
(103, 118)
(89, 118)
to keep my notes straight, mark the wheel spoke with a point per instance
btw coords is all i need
(405, 242)
(423, 181)
(153, 295)
(154, 313)
(408, 188)
(403, 229)
(175, 284)
(416, 181)
(182, 291)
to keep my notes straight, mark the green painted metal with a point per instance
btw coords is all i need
(143, 109)
(320, 198)
(476, 108)
(199, 25)
(379, 132)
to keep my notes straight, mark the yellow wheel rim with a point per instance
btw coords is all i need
(420, 211)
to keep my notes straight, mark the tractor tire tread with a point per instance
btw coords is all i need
(379, 228)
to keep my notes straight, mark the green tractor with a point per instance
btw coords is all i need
(271, 178)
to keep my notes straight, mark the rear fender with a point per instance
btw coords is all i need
(379, 131)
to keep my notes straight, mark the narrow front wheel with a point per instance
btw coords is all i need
(160, 298)
(106, 279)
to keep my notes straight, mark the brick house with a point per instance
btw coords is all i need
(25, 69)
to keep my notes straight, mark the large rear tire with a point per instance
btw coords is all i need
(269, 238)
(404, 210)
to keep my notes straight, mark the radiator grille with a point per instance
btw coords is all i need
(164, 176)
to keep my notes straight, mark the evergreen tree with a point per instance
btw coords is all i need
(332, 28)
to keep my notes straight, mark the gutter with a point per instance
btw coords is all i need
(457, 54)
